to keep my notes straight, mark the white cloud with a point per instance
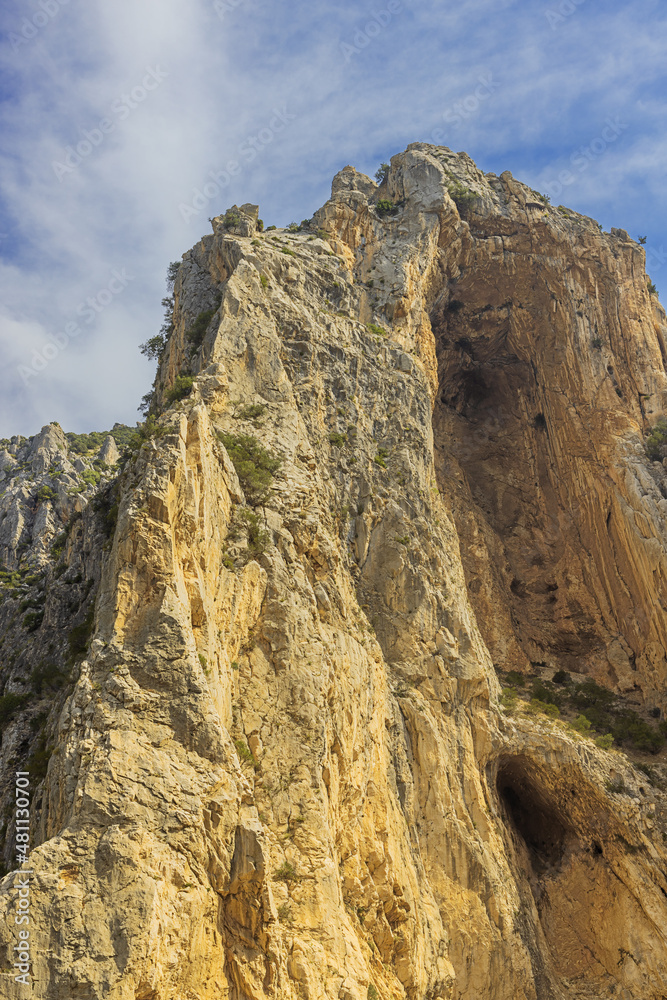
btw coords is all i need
(225, 76)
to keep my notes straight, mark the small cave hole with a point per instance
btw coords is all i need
(540, 422)
(531, 813)
(455, 306)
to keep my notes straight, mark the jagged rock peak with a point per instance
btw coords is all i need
(46, 446)
(109, 453)
(370, 704)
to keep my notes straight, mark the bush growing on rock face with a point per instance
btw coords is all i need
(250, 411)
(147, 403)
(509, 698)
(231, 219)
(150, 428)
(45, 493)
(195, 335)
(546, 708)
(657, 439)
(581, 724)
(254, 465)
(286, 873)
(91, 477)
(181, 388)
(9, 706)
(648, 771)
(258, 537)
(32, 621)
(245, 753)
(385, 207)
(382, 173)
(463, 197)
(628, 727)
(153, 347)
(79, 637)
(545, 694)
(515, 678)
(600, 712)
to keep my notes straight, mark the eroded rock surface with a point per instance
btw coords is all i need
(281, 768)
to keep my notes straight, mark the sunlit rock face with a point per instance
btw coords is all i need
(390, 455)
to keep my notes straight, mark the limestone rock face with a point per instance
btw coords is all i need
(280, 767)
(45, 446)
(109, 453)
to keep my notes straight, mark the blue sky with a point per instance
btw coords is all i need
(159, 94)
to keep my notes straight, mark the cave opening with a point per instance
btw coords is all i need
(532, 814)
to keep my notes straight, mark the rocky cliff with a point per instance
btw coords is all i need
(314, 684)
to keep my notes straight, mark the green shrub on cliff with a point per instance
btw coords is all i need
(195, 335)
(582, 725)
(9, 706)
(656, 439)
(386, 207)
(181, 388)
(254, 465)
(462, 196)
(258, 536)
(79, 638)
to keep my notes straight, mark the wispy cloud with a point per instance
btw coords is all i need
(228, 68)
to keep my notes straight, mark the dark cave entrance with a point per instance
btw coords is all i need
(532, 814)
